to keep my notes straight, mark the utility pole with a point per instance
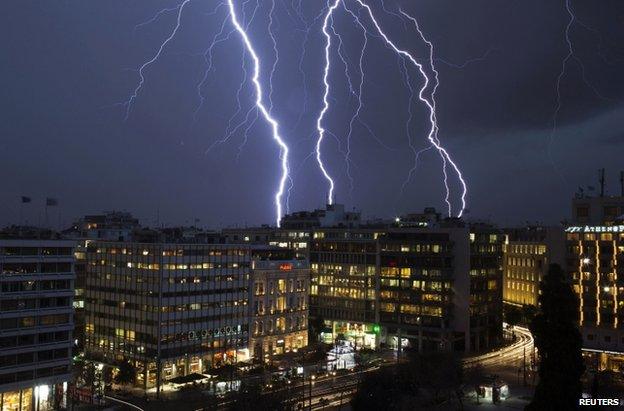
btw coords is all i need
(601, 174)
(398, 345)
(524, 374)
(310, 390)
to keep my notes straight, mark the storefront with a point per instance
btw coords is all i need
(603, 360)
(39, 398)
(361, 335)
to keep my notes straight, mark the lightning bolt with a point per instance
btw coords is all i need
(356, 113)
(275, 52)
(218, 38)
(467, 62)
(428, 101)
(264, 111)
(319, 120)
(156, 16)
(359, 94)
(417, 153)
(436, 83)
(128, 103)
(263, 104)
(562, 74)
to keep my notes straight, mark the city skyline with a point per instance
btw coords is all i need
(321, 205)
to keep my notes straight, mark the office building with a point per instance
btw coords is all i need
(430, 283)
(169, 308)
(595, 261)
(36, 320)
(597, 210)
(333, 215)
(278, 302)
(344, 284)
(441, 286)
(529, 251)
(109, 226)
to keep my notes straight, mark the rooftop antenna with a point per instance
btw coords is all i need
(601, 174)
(622, 183)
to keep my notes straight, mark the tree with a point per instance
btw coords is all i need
(250, 397)
(364, 356)
(438, 372)
(107, 375)
(418, 384)
(475, 375)
(84, 374)
(528, 313)
(315, 327)
(126, 373)
(383, 389)
(555, 329)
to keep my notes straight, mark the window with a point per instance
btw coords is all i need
(27, 322)
(583, 212)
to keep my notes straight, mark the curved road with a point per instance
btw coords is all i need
(509, 355)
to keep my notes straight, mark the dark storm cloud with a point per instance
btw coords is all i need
(66, 63)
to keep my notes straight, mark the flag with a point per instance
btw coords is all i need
(51, 202)
(26, 199)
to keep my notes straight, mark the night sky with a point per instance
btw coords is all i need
(66, 64)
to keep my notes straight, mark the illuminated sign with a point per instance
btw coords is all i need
(286, 267)
(204, 334)
(596, 229)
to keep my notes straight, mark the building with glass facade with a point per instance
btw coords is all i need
(428, 283)
(343, 284)
(36, 322)
(171, 309)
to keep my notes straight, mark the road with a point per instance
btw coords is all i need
(334, 390)
(511, 355)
